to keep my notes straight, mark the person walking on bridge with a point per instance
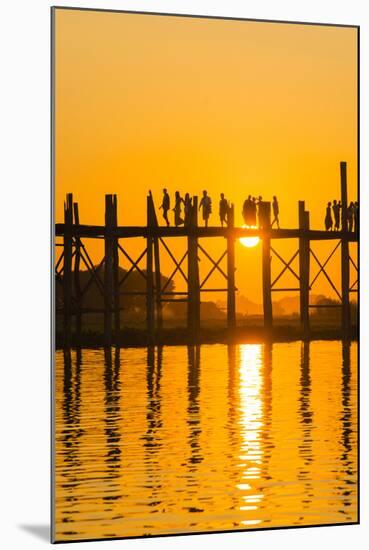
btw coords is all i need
(223, 209)
(187, 208)
(177, 209)
(205, 204)
(275, 206)
(328, 217)
(336, 214)
(350, 216)
(165, 206)
(356, 216)
(260, 200)
(247, 211)
(253, 210)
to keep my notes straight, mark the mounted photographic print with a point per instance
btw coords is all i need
(205, 274)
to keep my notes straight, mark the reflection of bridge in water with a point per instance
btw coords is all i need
(74, 254)
(141, 439)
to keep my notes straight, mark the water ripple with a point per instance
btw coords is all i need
(181, 439)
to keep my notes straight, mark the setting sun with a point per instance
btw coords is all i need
(249, 242)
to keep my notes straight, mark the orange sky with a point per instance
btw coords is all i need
(144, 102)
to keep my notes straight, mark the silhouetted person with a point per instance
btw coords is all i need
(253, 212)
(246, 211)
(205, 204)
(187, 208)
(336, 214)
(356, 216)
(177, 209)
(165, 205)
(260, 200)
(350, 216)
(223, 209)
(328, 217)
(275, 207)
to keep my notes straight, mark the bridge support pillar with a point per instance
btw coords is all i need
(150, 304)
(231, 289)
(193, 285)
(304, 265)
(67, 270)
(345, 257)
(116, 296)
(264, 217)
(108, 271)
(76, 275)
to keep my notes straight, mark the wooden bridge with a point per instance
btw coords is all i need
(75, 253)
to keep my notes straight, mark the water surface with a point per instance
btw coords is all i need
(182, 439)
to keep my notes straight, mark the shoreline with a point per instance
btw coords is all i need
(135, 338)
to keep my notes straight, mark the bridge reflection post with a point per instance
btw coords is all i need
(193, 419)
(152, 438)
(72, 401)
(72, 431)
(349, 490)
(346, 406)
(267, 438)
(233, 451)
(112, 417)
(306, 422)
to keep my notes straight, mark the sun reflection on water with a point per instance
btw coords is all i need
(251, 414)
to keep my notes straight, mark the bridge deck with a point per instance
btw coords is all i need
(98, 231)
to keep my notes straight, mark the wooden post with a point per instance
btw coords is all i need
(159, 307)
(264, 215)
(150, 306)
(266, 264)
(108, 272)
(77, 281)
(158, 302)
(67, 271)
(193, 285)
(231, 290)
(116, 296)
(343, 173)
(345, 258)
(304, 265)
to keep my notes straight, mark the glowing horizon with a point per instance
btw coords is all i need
(240, 107)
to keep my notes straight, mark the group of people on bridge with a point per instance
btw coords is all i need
(186, 202)
(334, 222)
(252, 210)
(254, 214)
